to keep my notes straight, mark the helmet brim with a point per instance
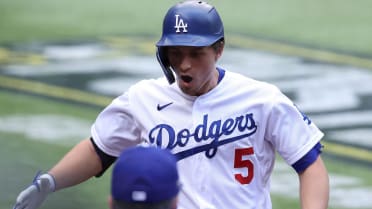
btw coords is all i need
(187, 40)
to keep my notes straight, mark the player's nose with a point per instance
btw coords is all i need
(185, 64)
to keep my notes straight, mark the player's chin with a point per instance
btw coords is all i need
(184, 85)
(189, 91)
(187, 87)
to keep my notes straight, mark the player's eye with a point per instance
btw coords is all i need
(174, 55)
(196, 54)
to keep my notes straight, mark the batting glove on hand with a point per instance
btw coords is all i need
(34, 195)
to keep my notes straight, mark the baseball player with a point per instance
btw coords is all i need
(145, 184)
(224, 128)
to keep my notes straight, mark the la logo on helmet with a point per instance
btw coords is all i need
(180, 24)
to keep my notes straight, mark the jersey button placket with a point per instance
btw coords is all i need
(202, 167)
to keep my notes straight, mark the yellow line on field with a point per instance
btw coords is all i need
(8, 56)
(315, 54)
(148, 46)
(243, 42)
(53, 91)
(318, 55)
(347, 151)
(88, 98)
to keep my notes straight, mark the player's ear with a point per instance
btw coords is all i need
(218, 47)
(220, 50)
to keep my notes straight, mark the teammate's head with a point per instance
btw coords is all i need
(188, 23)
(145, 177)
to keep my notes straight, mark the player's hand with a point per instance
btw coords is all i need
(34, 195)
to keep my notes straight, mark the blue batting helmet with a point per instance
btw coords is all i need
(188, 23)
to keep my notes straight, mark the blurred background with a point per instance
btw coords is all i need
(61, 62)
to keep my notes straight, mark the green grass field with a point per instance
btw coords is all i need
(22, 157)
(341, 25)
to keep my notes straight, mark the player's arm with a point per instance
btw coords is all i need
(79, 164)
(314, 186)
(314, 182)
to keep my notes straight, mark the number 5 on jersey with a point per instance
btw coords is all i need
(239, 162)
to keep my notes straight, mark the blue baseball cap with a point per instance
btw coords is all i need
(145, 174)
(191, 23)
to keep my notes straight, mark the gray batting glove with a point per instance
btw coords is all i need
(34, 195)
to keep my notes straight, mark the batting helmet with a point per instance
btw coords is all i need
(188, 23)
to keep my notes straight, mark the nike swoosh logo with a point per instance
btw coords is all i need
(160, 107)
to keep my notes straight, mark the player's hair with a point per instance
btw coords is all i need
(218, 44)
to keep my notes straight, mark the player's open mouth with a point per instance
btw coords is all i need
(186, 78)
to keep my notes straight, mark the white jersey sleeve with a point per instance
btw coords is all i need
(115, 127)
(290, 131)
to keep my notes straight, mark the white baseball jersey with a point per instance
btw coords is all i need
(225, 139)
